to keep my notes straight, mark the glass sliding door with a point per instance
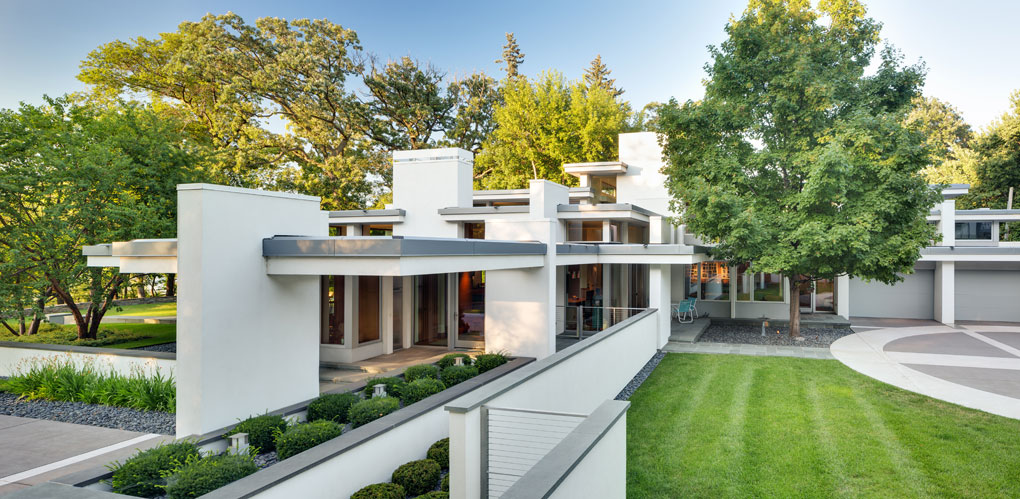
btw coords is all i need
(430, 310)
(821, 299)
(470, 309)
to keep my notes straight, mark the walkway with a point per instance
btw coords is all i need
(33, 451)
(338, 376)
(746, 349)
(976, 365)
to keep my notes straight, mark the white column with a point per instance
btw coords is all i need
(733, 292)
(353, 229)
(607, 231)
(659, 289)
(945, 292)
(386, 313)
(947, 222)
(843, 296)
(466, 454)
(350, 309)
(233, 318)
(407, 312)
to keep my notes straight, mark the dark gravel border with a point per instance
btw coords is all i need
(165, 347)
(751, 335)
(121, 418)
(641, 376)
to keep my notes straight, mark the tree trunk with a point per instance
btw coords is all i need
(794, 308)
(34, 328)
(80, 322)
(171, 285)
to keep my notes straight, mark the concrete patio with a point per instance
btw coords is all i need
(333, 376)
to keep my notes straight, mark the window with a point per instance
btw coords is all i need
(377, 230)
(709, 281)
(333, 329)
(338, 230)
(584, 231)
(974, 230)
(474, 230)
(758, 286)
(368, 308)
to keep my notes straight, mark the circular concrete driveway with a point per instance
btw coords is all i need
(973, 365)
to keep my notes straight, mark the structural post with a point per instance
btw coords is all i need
(659, 289)
(945, 292)
(386, 324)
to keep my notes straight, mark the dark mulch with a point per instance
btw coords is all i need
(121, 418)
(641, 376)
(813, 336)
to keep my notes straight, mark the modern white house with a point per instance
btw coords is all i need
(269, 279)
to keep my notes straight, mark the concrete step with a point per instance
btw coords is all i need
(688, 332)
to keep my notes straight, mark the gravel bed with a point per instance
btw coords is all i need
(641, 376)
(266, 460)
(121, 418)
(813, 336)
(165, 347)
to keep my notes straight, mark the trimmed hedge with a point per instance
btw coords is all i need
(445, 484)
(489, 361)
(332, 407)
(440, 453)
(435, 494)
(143, 474)
(369, 410)
(457, 374)
(201, 476)
(393, 386)
(302, 437)
(421, 371)
(447, 360)
(420, 389)
(261, 431)
(380, 491)
(418, 477)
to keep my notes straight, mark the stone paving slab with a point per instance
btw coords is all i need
(746, 349)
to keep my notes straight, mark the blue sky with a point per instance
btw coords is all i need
(655, 49)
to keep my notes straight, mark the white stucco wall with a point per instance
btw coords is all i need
(13, 358)
(603, 471)
(912, 298)
(247, 342)
(643, 185)
(426, 181)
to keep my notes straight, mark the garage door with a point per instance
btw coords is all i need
(912, 298)
(988, 295)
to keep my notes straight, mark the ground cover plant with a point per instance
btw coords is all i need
(144, 474)
(109, 336)
(741, 426)
(61, 378)
(261, 430)
(488, 361)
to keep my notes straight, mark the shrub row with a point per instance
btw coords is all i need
(61, 378)
(177, 470)
(417, 478)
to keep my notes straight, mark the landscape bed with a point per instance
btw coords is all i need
(739, 426)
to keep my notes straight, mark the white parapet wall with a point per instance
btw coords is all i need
(247, 342)
(16, 356)
(575, 380)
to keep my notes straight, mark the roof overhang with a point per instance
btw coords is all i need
(344, 217)
(970, 254)
(611, 168)
(138, 256)
(651, 254)
(623, 212)
(395, 256)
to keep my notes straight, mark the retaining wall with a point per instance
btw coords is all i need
(14, 354)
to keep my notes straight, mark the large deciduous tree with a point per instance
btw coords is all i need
(542, 124)
(476, 97)
(947, 137)
(796, 161)
(998, 167)
(78, 174)
(409, 104)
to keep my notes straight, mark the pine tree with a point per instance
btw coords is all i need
(512, 56)
(598, 76)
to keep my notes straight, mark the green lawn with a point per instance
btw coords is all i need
(149, 309)
(740, 426)
(110, 335)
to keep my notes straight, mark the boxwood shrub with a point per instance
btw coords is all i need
(393, 386)
(440, 453)
(417, 477)
(421, 371)
(445, 484)
(447, 360)
(142, 474)
(261, 431)
(435, 494)
(201, 476)
(332, 407)
(420, 389)
(457, 374)
(380, 491)
(369, 410)
(299, 438)
(488, 361)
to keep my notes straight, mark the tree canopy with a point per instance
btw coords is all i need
(512, 57)
(947, 137)
(998, 167)
(796, 161)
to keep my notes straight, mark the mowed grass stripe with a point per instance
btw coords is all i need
(807, 428)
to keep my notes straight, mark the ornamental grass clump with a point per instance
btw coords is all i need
(67, 379)
(417, 477)
(393, 386)
(332, 407)
(261, 431)
(420, 389)
(369, 410)
(448, 360)
(198, 476)
(457, 374)
(380, 491)
(440, 453)
(143, 475)
(421, 371)
(299, 438)
(488, 361)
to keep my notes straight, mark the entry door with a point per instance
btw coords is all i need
(821, 299)
(470, 318)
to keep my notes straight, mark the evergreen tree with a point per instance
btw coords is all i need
(597, 75)
(512, 56)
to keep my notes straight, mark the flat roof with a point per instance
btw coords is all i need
(393, 246)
